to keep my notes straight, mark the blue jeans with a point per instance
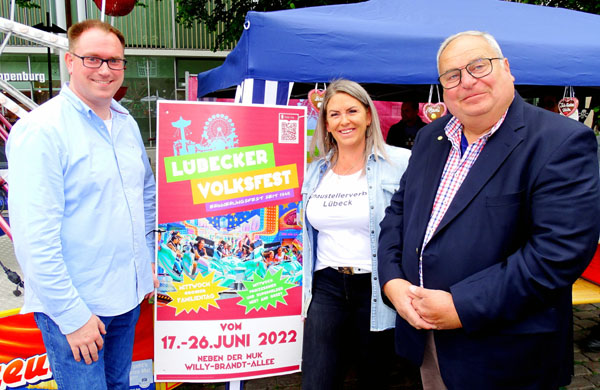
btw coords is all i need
(111, 371)
(337, 335)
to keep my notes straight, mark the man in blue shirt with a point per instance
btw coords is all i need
(82, 198)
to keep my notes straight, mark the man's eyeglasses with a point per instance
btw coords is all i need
(479, 68)
(96, 62)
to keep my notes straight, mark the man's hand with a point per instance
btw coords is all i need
(155, 280)
(435, 306)
(397, 290)
(87, 340)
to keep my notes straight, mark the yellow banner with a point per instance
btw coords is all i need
(240, 185)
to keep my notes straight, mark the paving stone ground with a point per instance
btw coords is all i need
(8, 300)
(587, 364)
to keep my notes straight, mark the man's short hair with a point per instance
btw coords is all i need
(487, 36)
(77, 29)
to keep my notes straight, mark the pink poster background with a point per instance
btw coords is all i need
(241, 125)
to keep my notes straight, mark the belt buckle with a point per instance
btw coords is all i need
(346, 270)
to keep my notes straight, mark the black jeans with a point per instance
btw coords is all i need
(337, 335)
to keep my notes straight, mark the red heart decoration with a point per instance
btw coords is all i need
(116, 7)
(568, 105)
(433, 111)
(315, 97)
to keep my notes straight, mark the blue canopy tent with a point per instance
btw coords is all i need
(396, 41)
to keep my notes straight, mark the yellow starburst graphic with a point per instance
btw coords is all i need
(193, 294)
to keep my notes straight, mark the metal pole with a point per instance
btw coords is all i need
(81, 11)
(173, 24)
(49, 25)
(31, 90)
(175, 76)
(61, 21)
(149, 103)
(103, 10)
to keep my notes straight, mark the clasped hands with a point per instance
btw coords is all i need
(422, 308)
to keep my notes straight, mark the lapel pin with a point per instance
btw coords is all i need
(440, 138)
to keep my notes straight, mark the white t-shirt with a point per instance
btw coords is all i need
(339, 210)
(108, 124)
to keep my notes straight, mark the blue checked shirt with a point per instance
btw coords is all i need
(455, 171)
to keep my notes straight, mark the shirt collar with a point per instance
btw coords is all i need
(79, 104)
(454, 128)
(369, 156)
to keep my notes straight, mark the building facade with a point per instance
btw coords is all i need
(159, 54)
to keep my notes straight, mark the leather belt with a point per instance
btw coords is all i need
(351, 270)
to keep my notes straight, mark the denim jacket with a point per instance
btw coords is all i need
(383, 179)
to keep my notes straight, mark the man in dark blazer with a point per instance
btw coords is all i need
(496, 216)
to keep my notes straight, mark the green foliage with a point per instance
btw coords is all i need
(232, 13)
(139, 3)
(26, 4)
(591, 6)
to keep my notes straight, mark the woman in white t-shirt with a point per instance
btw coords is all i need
(345, 193)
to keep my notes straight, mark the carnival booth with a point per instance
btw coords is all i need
(391, 46)
(396, 41)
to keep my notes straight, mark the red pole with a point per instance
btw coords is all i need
(7, 125)
(5, 227)
(3, 224)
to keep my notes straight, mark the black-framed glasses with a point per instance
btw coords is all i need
(96, 62)
(479, 68)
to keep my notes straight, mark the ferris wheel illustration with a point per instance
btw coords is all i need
(218, 134)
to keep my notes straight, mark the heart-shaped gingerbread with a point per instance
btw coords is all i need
(315, 97)
(568, 105)
(433, 111)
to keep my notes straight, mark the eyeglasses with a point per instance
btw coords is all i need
(96, 62)
(479, 68)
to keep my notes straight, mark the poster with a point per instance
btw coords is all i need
(229, 254)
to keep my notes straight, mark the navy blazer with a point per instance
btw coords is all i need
(520, 230)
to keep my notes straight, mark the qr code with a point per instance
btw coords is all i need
(289, 129)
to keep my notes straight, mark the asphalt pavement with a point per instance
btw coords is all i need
(8, 300)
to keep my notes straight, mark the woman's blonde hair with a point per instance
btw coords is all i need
(323, 143)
